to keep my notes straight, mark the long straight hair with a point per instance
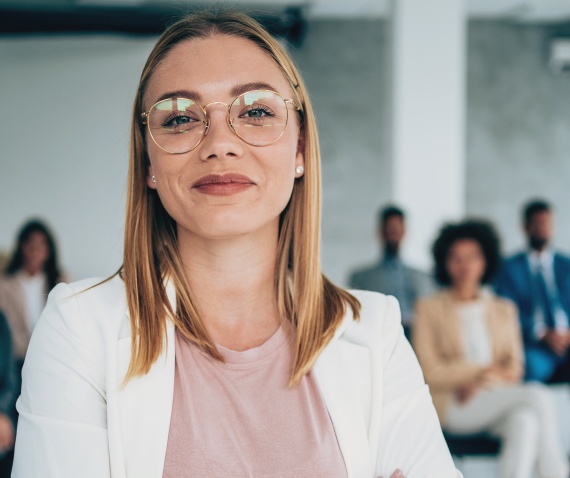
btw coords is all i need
(306, 298)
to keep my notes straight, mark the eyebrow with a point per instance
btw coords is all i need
(235, 91)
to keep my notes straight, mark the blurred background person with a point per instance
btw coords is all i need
(469, 345)
(8, 395)
(538, 281)
(390, 275)
(32, 271)
(3, 260)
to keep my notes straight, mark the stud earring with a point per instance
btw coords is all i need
(153, 179)
(299, 169)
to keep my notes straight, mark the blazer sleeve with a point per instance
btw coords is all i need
(440, 373)
(411, 438)
(62, 428)
(514, 358)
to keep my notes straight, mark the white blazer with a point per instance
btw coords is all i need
(76, 421)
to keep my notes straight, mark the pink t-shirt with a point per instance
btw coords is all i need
(241, 419)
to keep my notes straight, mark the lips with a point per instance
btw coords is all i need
(223, 184)
(222, 179)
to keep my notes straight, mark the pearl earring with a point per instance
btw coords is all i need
(153, 179)
(299, 169)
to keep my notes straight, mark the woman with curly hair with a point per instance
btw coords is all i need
(469, 345)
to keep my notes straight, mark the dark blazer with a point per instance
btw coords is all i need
(515, 282)
(8, 382)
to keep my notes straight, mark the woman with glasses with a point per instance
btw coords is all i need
(470, 347)
(220, 349)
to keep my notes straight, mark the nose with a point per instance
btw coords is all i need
(219, 140)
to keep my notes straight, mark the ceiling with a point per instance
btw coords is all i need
(283, 18)
(515, 10)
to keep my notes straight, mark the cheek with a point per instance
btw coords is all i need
(480, 266)
(279, 171)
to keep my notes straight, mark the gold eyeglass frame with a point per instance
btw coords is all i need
(146, 114)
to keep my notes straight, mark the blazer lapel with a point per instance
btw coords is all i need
(145, 407)
(451, 326)
(343, 372)
(526, 278)
(494, 329)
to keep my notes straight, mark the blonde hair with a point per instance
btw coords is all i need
(314, 306)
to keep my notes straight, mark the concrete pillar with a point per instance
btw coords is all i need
(428, 52)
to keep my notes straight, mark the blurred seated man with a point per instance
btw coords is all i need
(538, 281)
(390, 275)
(469, 345)
(8, 395)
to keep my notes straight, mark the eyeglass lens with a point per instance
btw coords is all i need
(177, 125)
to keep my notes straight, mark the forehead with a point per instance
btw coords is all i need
(465, 243)
(213, 66)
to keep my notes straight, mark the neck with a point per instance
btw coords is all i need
(465, 292)
(233, 283)
(31, 271)
(390, 251)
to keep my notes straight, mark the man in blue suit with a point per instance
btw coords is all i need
(538, 281)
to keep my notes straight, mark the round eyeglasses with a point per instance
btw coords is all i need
(178, 125)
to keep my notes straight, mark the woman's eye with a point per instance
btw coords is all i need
(180, 121)
(257, 113)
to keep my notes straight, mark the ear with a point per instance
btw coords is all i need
(150, 174)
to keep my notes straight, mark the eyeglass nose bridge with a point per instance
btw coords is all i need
(228, 118)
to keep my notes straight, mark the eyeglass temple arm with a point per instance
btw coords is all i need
(298, 108)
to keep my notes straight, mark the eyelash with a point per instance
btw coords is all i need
(266, 110)
(177, 114)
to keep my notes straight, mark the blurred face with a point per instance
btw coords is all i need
(540, 229)
(466, 263)
(393, 232)
(36, 252)
(224, 187)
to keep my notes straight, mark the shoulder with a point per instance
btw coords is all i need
(502, 304)
(515, 260)
(378, 312)
(364, 271)
(562, 259)
(432, 301)
(97, 292)
(91, 307)
(7, 282)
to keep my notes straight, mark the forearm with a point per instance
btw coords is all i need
(452, 376)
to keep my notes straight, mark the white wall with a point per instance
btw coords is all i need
(65, 107)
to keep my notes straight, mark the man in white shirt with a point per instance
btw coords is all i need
(538, 281)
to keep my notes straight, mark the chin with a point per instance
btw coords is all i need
(226, 226)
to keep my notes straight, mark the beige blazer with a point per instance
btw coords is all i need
(12, 303)
(439, 346)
